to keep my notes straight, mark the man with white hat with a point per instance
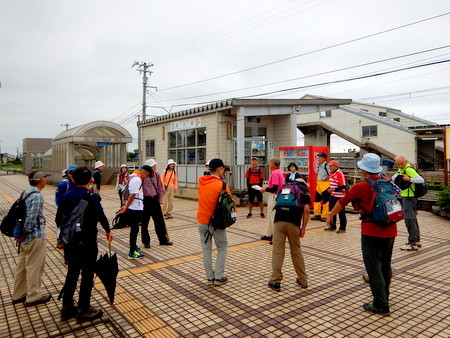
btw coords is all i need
(97, 175)
(377, 241)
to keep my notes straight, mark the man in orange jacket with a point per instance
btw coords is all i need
(209, 189)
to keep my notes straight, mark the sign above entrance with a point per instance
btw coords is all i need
(186, 124)
(103, 144)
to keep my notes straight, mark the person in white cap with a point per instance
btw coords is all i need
(97, 175)
(170, 182)
(208, 169)
(122, 179)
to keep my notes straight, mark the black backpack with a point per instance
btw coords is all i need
(70, 230)
(420, 190)
(225, 211)
(15, 217)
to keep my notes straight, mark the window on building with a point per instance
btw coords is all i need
(369, 131)
(188, 146)
(326, 113)
(382, 113)
(149, 148)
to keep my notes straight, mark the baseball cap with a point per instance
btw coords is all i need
(72, 167)
(37, 175)
(334, 162)
(216, 163)
(322, 155)
(147, 168)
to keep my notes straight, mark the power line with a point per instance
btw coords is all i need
(405, 93)
(307, 53)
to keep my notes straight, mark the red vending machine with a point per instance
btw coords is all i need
(306, 160)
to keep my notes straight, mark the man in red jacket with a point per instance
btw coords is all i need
(377, 241)
(209, 189)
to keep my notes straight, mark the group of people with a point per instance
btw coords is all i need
(147, 191)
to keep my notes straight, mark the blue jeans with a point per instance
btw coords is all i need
(220, 238)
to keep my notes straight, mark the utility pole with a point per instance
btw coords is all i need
(143, 69)
(65, 125)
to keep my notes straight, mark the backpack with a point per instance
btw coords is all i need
(71, 228)
(225, 211)
(420, 188)
(289, 196)
(12, 224)
(386, 208)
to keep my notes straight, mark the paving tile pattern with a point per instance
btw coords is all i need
(165, 294)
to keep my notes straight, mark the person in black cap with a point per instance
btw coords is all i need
(293, 173)
(31, 263)
(322, 195)
(209, 189)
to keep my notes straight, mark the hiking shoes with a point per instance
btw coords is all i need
(249, 215)
(409, 247)
(302, 285)
(42, 300)
(262, 215)
(68, 312)
(330, 229)
(274, 286)
(20, 300)
(368, 307)
(220, 281)
(341, 231)
(418, 244)
(135, 255)
(266, 238)
(88, 315)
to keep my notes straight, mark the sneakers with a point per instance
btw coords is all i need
(262, 215)
(303, 286)
(68, 312)
(341, 231)
(330, 229)
(249, 215)
(220, 281)
(138, 249)
(88, 315)
(274, 286)
(42, 300)
(135, 255)
(60, 246)
(266, 238)
(409, 247)
(368, 307)
(418, 244)
(166, 243)
(168, 216)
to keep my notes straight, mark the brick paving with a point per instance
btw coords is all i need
(165, 294)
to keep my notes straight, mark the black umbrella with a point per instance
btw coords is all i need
(107, 269)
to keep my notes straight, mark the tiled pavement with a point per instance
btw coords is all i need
(165, 294)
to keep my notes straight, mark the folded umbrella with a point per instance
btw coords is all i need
(107, 268)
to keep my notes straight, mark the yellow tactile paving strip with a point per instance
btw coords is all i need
(165, 294)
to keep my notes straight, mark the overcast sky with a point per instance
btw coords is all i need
(71, 61)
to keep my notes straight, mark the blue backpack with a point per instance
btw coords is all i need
(288, 197)
(386, 208)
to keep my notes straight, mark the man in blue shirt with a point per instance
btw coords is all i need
(30, 268)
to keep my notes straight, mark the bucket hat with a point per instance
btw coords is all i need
(370, 163)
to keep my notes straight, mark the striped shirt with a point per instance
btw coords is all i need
(337, 179)
(34, 219)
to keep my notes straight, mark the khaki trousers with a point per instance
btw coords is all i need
(29, 270)
(271, 201)
(168, 201)
(292, 232)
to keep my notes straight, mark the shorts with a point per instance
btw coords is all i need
(252, 193)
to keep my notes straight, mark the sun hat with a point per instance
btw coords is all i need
(292, 164)
(207, 163)
(171, 162)
(334, 162)
(98, 164)
(151, 162)
(124, 166)
(64, 173)
(370, 163)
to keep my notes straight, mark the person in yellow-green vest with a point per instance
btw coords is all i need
(406, 178)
